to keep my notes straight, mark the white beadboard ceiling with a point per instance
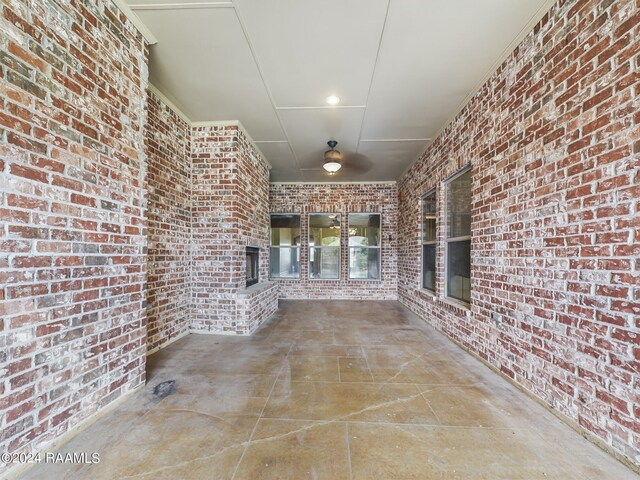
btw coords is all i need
(402, 69)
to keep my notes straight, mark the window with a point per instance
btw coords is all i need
(429, 241)
(364, 246)
(285, 246)
(324, 245)
(458, 236)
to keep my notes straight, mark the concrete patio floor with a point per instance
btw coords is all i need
(331, 390)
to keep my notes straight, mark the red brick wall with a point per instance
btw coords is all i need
(253, 204)
(252, 213)
(341, 198)
(72, 208)
(167, 144)
(256, 305)
(554, 141)
(229, 211)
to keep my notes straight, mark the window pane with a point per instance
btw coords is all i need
(324, 230)
(324, 262)
(429, 266)
(364, 229)
(364, 262)
(459, 270)
(285, 262)
(429, 217)
(459, 206)
(285, 229)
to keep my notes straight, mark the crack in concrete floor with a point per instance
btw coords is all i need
(241, 377)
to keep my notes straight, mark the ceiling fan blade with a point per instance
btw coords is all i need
(350, 162)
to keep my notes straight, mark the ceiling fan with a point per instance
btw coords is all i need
(332, 158)
(332, 161)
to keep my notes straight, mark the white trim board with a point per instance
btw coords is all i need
(179, 6)
(135, 20)
(396, 140)
(169, 104)
(323, 107)
(247, 37)
(373, 74)
(346, 182)
(237, 123)
(218, 123)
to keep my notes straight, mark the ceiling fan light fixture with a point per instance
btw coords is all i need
(332, 158)
(332, 166)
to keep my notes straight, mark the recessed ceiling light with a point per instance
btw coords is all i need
(333, 100)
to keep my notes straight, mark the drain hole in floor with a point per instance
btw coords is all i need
(164, 389)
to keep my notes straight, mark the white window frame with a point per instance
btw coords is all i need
(297, 247)
(422, 241)
(379, 247)
(309, 247)
(447, 240)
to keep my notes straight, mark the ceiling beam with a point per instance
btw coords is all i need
(396, 140)
(322, 107)
(179, 6)
(243, 25)
(373, 72)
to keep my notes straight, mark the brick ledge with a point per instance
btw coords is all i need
(255, 289)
